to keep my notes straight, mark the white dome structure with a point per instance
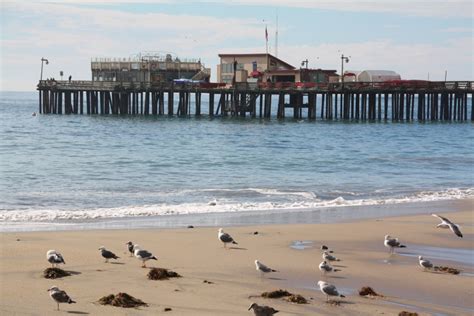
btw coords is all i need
(377, 76)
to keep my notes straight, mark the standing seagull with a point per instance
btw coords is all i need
(329, 257)
(262, 310)
(226, 238)
(325, 267)
(328, 289)
(326, 248)
(130, 248)
(54, 258)
(424, 263)
(446, 223)
(59, 296)
(107, 254)
(143, 255)
(392, 243)
(263, 268)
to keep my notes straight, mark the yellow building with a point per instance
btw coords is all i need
(257, 66)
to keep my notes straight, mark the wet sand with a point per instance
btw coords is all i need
(197, 255)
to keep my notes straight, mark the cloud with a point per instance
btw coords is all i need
(458, 30)
(428, 8)
(71, 35)
(412, 61)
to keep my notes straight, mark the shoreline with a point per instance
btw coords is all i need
(197, 255)
(326, 215)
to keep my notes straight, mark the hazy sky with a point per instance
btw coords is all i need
(412, 37)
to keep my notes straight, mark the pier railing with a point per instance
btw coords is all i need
(403, 100)
(396, 85)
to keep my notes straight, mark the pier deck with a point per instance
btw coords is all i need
(397, 101)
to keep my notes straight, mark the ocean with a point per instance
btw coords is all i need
(61, 170)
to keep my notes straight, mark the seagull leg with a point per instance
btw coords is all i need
(58, 306)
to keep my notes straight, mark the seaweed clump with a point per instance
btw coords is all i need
(54, 273)
(276, 294)
(296, 298)
(122, 300)
(162, 274)
(447, 269)
(368, 291)
(405, 313)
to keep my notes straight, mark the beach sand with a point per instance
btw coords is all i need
(197, 255)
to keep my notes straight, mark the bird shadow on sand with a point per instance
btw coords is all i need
(237, 248)
(339, 266)
(275, 279)
(336, 277)
(117, 262)
(339, 302)
(73, 272)
(78, 313)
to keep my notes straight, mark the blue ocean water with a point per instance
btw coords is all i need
(60, 167)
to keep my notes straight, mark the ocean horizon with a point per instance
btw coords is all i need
(79, 168)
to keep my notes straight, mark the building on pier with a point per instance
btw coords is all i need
(371, 76)
(148, 68)
(266, 67)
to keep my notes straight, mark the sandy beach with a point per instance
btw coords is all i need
(197, 255)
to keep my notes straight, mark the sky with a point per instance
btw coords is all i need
(419, 39)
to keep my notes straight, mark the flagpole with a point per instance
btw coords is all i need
(266, 38)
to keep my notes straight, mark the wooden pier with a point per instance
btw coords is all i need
(396, 101)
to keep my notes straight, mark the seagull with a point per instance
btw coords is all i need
(446, 223)
(392, 243)
(130, 248)
(107, 254)
(143, 255)
(212, 203)
(424, 263)
(325, 267)
(328, 289)
(263, 268)
(59, 296)
(326, 248)
(262, 310)
(329, 257)
(225, 238)
(54, 258)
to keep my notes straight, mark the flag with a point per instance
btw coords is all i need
(266, 34)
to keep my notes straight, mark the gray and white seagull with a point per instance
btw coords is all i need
(392, 243)
(143, 255)
(328, 289)
(263, 268)
(325, 267)
(130, 248)
(225, 238)
(446, 223)
(328, 257)
(107, 254)
(59, 296)
(424, 263)
(54, 258)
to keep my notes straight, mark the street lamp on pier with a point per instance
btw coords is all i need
(42, 61)
(304, 62)
(346, 60)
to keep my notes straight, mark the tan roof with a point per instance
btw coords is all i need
(257, 55)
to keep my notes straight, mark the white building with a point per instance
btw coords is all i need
(377, 76)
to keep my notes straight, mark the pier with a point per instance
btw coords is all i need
(366, 101)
